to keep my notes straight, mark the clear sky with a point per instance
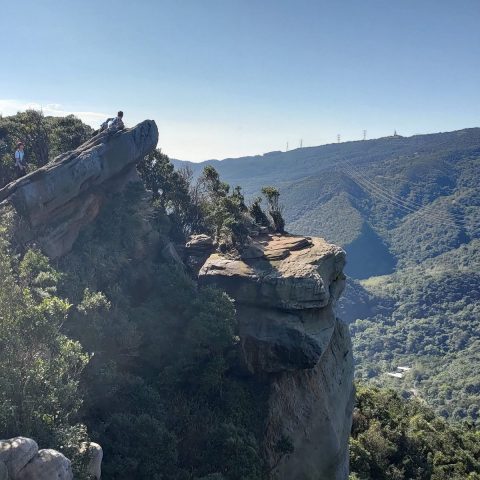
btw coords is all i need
(237, 77)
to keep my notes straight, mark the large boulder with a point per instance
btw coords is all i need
(20, 459)
(95, 456)
(52, 204)
(284, 299)
(46, 465)
(285, 289)
(16, 452)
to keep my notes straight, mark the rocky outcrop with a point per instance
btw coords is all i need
(285, 289)
(52, 204)
(20, 459)
(197, 250)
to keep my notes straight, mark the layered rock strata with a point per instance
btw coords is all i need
(285, 288)
(56, 201)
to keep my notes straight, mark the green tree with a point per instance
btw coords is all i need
(41, 367)
(274, 208)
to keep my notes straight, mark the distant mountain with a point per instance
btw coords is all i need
(407, 211)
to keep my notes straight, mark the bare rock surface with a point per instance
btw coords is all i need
(53, 203)
(20, 459)
(95, 454)
(16, 452)
(285, 288)
(47, 465)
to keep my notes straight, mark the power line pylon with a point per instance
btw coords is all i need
(338, 138)
(364, 134)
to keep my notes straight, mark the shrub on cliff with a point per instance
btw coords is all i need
(162, 396)
(274, 208)
(41, 367)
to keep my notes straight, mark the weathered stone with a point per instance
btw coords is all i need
(16, 452)
(200, 242)
(56, 201)
(197, 250)
(302, 278)
(285, 288)
(95, 453)
(46, 465)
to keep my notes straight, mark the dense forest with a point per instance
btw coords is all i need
(124, 349)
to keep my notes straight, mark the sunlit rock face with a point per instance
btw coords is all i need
(53, 204)
(285, 289)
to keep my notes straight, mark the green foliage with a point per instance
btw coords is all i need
(397, 439)
(44, 139)
(258, 214)
(170, 193)
(426, 317)
(274, 209)
(41, 367)
(161, 384)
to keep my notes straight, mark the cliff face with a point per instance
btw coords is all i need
(56, 201)
(285, 289)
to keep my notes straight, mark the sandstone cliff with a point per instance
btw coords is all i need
(56, 201)
(285, 289)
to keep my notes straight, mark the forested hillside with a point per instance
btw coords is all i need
(407, 211)
(113, 343)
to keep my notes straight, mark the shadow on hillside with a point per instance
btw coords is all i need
(368, 256)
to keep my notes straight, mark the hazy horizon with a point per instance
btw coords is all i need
(233, 78)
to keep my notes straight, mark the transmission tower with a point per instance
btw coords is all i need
(338, 138)
(286, 148)
(364, 134)
(301, 142)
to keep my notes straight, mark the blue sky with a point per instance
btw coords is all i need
(237, 77)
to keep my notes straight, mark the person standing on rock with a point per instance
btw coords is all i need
(20, 164)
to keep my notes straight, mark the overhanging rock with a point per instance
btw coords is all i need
(52, 204)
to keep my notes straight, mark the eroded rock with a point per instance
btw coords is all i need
(46, 465)
(285, 288)
(16, 452)
(54, 202)
(95, 457)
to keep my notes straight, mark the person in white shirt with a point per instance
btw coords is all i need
(20, 164)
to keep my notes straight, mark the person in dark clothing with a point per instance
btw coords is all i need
(111, 124)
(117, 123)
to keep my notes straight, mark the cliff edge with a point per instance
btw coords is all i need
(285, 288)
